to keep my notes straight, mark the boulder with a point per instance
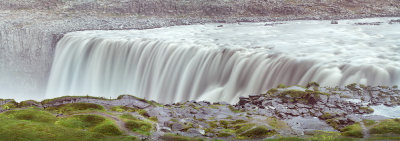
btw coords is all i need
(177, 126)
(302, 124)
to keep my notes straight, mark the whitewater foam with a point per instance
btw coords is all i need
(207, 62)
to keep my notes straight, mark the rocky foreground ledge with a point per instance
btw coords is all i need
(353, 112)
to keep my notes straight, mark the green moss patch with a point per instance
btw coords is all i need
(10, 105)
(28, 103)
(367, 109)
(281, 86)
(233, 109)
(224, 123)
(143, 112)
(34, 124)
(154, 118)
(30, 114)
(352, 87)
(354, 130)
(238, 121)
(300, 96)
(334, 123)
(107, 128)
(389, 126)
(226, 133)
(174, 137)
(368, 123)
(286, 139)
(326, 116)
(141, 127)
(93, 123)
(129, 109)
(123, 109)
(277, 124)
(81, 121)
(128, 116)
(72, 97)
(312, 84)
(117, 109)
(240, 128)
(76, 107)
(272, 91)
(213, 124)
(384, 138)
(257, 133)
(329, 136)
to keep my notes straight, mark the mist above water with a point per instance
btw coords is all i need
(206, 62)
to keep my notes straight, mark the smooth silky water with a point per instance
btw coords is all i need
(206, 62)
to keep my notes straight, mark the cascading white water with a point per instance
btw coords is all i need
(206, 62)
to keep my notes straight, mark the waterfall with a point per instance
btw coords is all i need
(171, 65)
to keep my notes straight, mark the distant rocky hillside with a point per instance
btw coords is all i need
(295, 112)
(200, 8)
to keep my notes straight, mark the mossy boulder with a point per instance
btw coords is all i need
(28, 103)
(258, 133)
(367, 110)
(9, 105)
(308, 96)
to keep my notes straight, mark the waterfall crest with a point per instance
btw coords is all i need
(100, 63)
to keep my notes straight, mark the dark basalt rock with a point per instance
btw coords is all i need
(243, 100)
(177, 126)
(371, 23)
(394, 21)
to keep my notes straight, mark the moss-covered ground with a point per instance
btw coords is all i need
(74, 108)
(386, 127)
(139, 126)
(87, 121)
(354, 130)
(36, 124)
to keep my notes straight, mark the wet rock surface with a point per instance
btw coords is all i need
(286, 111)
